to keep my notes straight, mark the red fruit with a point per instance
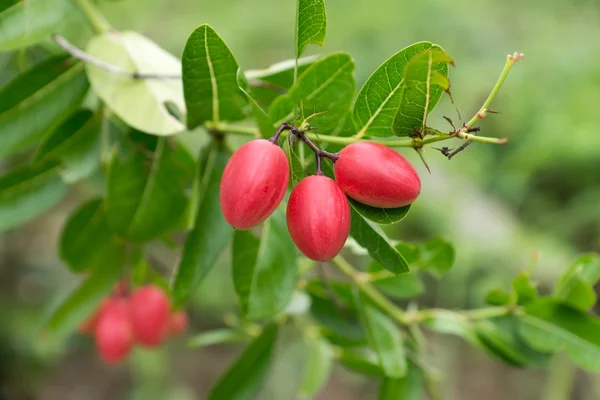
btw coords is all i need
(253, 183)
(376, 175)
(150, 315)
(179, 323)
(89, 325)
(114, 338)
(318, 217)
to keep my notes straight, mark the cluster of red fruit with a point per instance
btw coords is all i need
(318, 215)
(143, 318)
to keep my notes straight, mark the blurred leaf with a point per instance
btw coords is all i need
(297, 172)
(83, 301)
(372, 238)
(327, 85)
(408, 387)
(497, 297)
(318, 367)
(378, 100)
(361, 363)
(210, 79)
(75, 142)
(576, 284)
(410, 252)
(524, 290)
(437, 256)
(244, 378)
(264, 275)
(145, 194)
(38, 98)
(87, 242)
(217, 336)
(311, 24)
(140, 103)
(26, 22)
(425, 78)
(27, 191)
(211, 232)
(299, 304)
(501, 338)
(384, 337)
(400, 287)
(265, 126)
(381, 216)
(453, 323)
(282, 73)
(549, 325)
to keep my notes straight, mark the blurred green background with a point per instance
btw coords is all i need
(536, 198)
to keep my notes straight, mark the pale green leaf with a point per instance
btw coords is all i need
(281, 75)
(311, 24)
(265, 126)
(524, 290)
(408, 387)
(318, 367)
(437, 256)
(576, 284)
(381, 216)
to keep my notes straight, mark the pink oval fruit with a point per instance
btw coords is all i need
(150, 315)
(253, 183)
(376, 175)
(318, 217)
(114, 338)
(178, 323)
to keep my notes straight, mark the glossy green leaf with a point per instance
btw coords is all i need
(27, 191)
(425, 78)
(400, 287)
(502, 339)
(87, 242)
(26, 22)
(576, 284)
(76, 143)
(365, 364)
(210, 79)
(327, 85)
(281, 75)
(437, 256)
(244, 378)
(38, 98)
(318, 367)
(384, 338)
(265, 126)
(297, 172)
(140, 103)
(211, 232)
(146, 192)
(497, 297)
(524, 291)
(83, 301)
(372, 238)
(264, 276)
(378, 100)
(311, 24)
(381, 216)
(408, 387)
(549, 325)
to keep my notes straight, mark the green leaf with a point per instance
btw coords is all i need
(26, 22)
(524, 291)
(211, 232)
(146, 194)
(83, 301)
(379, 99)
(311, 24)
(425, 78)
(264, 275)
(408, 387)
(381, 216)
(216, 337)
(437, 256)
(75, 142)
(26, 192)
(360, 362)
(372, 238)
(265, 126)
(318, 367)
(210, 79)
(297, 172)
(384, 337)
(549, 325)
(410, 252)
(281, 75)
(87, 241)
(401, 287)
(453, 323)
(140, 103)
(327, 85)
(501, 338)
(497, 297)
(576, 284)
(244, 378)
(38, 98)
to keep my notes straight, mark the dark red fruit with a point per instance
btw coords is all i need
(376, 175)
(318, 217)
(253, 183)
(179, 323)
(150, 315)
(114, 338)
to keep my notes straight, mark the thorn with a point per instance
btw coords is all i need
(487, 110)
(420, 153)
